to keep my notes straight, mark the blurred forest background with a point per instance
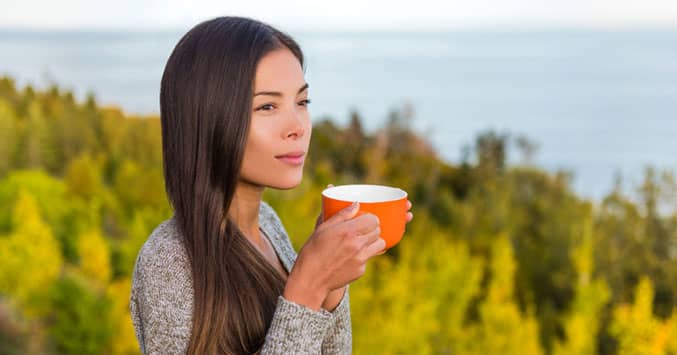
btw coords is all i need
(499, 259)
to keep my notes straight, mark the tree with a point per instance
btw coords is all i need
(637, 330)
(94, 258)
(123, 329)
(80, 318)
(417, 302)
(83, 178)
(8, 131)
(501, 328)
(30, 258)
(582, 323)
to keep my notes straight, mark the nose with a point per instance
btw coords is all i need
(296, 126)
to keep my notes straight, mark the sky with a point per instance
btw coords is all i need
(340, 15)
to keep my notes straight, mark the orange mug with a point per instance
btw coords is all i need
(389, 204)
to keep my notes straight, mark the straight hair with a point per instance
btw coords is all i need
(206, 98)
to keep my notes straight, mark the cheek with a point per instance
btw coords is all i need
(258, 153)
(258, 143)
(260, 166)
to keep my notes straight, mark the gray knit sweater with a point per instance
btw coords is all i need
(161, 301)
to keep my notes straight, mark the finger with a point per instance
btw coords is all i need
(370, 237)
(408, 205)
(375, 248)
(362, 224)
(342, 215)
(410, 216)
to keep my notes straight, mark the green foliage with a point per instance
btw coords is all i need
(499, 259)
(419, 300)
(80, 321)
(502, 329)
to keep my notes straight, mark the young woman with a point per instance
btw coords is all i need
(220, 276)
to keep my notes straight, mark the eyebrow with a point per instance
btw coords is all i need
(276, 93)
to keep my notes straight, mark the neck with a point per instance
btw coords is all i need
(244, 209)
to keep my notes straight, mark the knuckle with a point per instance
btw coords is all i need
(362, 259)
(350, 233)
(374, 220)
(343, 233)
(355, 246)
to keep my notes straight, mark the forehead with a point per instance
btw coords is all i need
(279, 70)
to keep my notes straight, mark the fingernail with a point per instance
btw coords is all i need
(354, 205)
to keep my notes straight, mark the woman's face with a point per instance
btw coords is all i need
(280, 123)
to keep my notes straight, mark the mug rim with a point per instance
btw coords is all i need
(403, 193)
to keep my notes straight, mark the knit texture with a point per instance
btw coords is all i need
(161, 300)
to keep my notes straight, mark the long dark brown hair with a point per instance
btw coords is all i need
(205, 105)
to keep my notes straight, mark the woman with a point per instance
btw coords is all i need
(221, 276)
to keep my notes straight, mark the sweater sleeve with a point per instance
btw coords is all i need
(161, 305)
(338, 339)
(296, 329)
(161, 301)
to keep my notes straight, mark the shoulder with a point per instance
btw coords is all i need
(162, 263)
(163, 248)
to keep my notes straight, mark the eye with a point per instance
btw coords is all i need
(305, 102)
(266, 107)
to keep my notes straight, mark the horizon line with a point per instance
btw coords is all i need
(357, 29)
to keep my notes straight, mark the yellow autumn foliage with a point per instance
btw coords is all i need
(637, 330)
(30, 256)
(125, 340)
(94, 257)
(582, 323)
(502, 328)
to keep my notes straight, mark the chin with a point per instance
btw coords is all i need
(284, 187)
(288, 182)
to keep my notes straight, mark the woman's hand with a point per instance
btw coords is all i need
(334, 297)
(334, 256)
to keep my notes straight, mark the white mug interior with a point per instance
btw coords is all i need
(364, 193)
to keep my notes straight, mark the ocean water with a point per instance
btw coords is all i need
(596, 103)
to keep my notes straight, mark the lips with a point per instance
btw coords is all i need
(296, 154)
(292, 158)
